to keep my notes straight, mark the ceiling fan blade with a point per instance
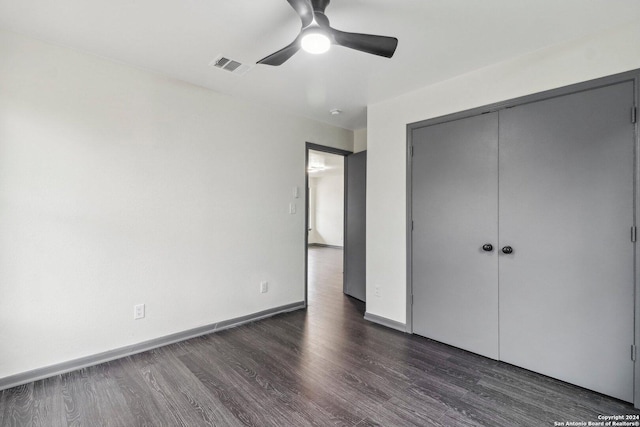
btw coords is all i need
(304, 8)
(369, 43)
(281, 56)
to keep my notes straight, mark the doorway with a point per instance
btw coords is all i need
(326, 204)
(326, 200)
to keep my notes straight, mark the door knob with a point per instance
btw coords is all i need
(507, 250)
(487, 247)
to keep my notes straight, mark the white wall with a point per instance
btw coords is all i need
(328, 227)
(604, 54)
(119, 186)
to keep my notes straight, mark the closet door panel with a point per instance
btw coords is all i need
(566, 208)
(455, 282)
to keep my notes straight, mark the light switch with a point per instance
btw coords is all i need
(296, 192)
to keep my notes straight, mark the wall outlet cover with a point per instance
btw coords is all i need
(138, 311)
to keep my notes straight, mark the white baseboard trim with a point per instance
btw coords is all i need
(402, 327)
(83, 362)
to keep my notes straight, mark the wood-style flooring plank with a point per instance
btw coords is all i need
(264, 379)
(91, 396)
(49, 405)
(18, 404)
(144, 410)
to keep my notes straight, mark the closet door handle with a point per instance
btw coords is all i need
(487, 247)
(507, 250)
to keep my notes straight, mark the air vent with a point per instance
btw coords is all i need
(231, 65)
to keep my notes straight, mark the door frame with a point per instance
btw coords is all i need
(329, 150)
(633, 76)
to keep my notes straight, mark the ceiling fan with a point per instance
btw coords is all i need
(317, 36)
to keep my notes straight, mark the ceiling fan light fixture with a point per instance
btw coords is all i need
(315, 42)
(316, 36)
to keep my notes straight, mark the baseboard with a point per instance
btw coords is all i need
(385, 322)
(322, 245)
(96, 359)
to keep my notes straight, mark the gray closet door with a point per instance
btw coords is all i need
(355, 226)
(566, 208)
(455, 202)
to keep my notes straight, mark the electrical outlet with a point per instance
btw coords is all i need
(138, 311)
(292, 208)
(264, 287)
(377, 291)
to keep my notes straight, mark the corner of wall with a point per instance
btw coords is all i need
(359, 140)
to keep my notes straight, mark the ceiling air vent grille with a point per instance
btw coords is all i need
(227, 64)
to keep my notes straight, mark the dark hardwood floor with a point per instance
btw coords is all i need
(322, 366)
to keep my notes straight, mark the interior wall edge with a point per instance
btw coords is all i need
(389, 323)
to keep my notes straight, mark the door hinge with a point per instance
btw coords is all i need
(411, 151)
(411, 225)
(411, 299)
(634, 234)
(634, 114)
(633, 353)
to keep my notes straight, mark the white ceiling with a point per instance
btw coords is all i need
(438, 39)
